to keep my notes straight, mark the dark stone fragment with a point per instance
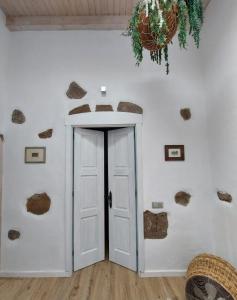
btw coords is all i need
(46, 134)
(182, 198)
(186, 114)
(13, 235)
(75, 91)
(129, 107)
(38, 204)
(224, 197)
(80, 109)
(155, 225)
(18, 117)
(104, 108)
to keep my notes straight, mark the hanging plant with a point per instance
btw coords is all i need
(154, 23)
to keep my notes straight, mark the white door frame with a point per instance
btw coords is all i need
(95, 120)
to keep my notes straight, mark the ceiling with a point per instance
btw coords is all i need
(68, 14)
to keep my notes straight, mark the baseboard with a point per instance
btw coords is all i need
(30, 274)
(163, 273)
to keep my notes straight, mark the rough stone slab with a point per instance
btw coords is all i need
(13, 235)
(155, 225)
(75, 91)
(80, 109)
(182, 198)
(103, 107)
(46, 134)
(38, 204)
(129, 107)
(224, 197)
(186, 114)
(18, 117)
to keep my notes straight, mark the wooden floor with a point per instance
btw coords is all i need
(103, 281)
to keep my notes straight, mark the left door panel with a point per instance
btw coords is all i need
(88, 197)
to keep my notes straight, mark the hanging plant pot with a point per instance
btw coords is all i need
(150, 40)
(154, 23)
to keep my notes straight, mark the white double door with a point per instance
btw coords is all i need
(89, 221)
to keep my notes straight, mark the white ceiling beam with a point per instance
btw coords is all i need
(67, 23)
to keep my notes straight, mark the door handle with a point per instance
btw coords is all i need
(110, 199)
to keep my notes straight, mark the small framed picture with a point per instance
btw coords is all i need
(35, 155)
(174, 153)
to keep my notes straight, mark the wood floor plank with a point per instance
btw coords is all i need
(102, 281)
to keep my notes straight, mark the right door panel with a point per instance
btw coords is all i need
(122, 210)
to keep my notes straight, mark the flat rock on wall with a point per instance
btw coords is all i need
(129, 107)
(155, 225)
(46, 134)
(182, 198)
(103, 107)
(80, 109)
(18, 117)
(186, 114)
(224, 197)
(13, 235)
(75, 91)
(38, 204)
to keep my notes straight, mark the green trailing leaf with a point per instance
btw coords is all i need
(195, 11)
(182, 18)
(189, 19)
(160, 56)
(133, 31)
(166, 54)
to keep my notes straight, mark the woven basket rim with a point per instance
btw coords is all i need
(216, 258)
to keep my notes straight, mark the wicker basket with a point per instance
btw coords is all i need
(148, 39)
(217, 271)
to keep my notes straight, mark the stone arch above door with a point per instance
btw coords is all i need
(125, 107)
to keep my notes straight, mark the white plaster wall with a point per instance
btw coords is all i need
(42, 64)
(4, 34)
(219, 63)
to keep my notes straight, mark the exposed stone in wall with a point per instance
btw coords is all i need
(46, 134)
(80, 109)
(18, 117)
(2, 137)
(182, 198)
(186, 113)
(13, 235)
(38, 204)
(75, 91)
(155, 225)
(129, 107)
(224, 197)
(103, 107)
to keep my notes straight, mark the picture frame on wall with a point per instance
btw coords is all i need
(174, 153)
(35, 155)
